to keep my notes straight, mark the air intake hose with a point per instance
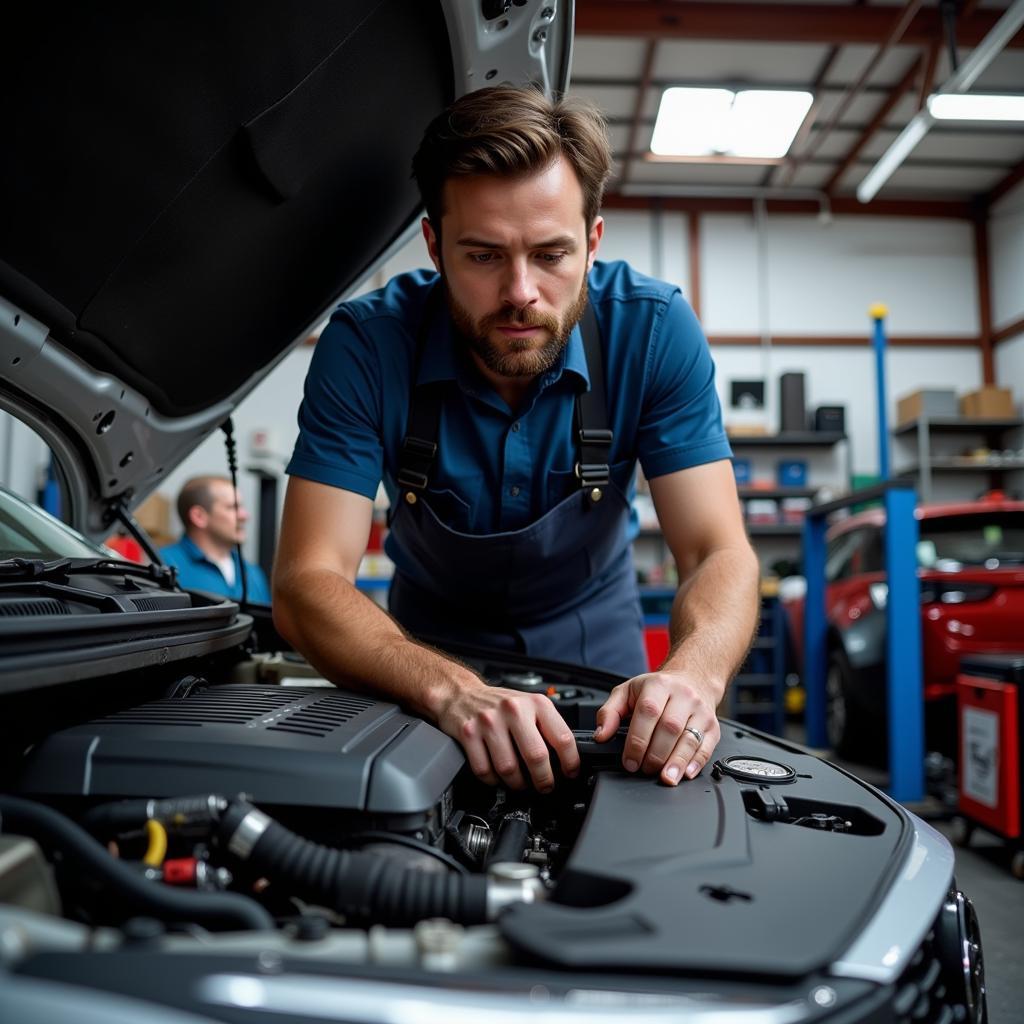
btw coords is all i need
(54, 831)
(364, 887)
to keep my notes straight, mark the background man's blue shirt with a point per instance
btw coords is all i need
(197, 572)
(500, 470)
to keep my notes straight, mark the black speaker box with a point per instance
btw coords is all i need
(792, 404)
(830, 419)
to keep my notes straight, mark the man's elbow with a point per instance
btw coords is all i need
(283, 611)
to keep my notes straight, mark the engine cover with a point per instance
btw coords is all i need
(281, 745)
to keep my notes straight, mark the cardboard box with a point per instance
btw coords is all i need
(927, 402)
(154, 516)
(990, 402)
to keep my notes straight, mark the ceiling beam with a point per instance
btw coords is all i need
(810, 119)
(638, 110)
(897, 29)
(607, 82)
(930, 56)
(963, 129)
(829, 25)
(846, 340)
(876, 122)
(1011, 330)
(954, 209)
(1014, 178)
(719, 160)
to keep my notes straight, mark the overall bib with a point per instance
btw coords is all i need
(562, 588)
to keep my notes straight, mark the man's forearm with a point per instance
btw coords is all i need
(714, 617)
(352, 641)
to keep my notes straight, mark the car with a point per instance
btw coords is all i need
(193, 825)
(971, 572)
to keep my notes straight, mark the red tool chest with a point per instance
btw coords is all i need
(990, 706)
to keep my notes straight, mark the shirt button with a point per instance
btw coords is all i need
(514, 491)
(515, 427)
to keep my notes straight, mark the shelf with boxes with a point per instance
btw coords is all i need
(976, 438)
(774, 506)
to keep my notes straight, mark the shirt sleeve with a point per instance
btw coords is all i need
(681, 420)
(340, 419)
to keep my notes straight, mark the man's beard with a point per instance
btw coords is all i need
(517, 357)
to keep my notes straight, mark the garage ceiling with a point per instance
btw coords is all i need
(869, 66)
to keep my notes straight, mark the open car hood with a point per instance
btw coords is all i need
(185, 192)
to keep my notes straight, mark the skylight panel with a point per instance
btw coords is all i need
(757, 123)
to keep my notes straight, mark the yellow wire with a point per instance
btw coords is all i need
(157, 844)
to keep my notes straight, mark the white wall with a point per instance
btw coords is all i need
(822, 277)
(1006, 248)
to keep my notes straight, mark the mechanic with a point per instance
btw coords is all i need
(206, 556)
(506, 420)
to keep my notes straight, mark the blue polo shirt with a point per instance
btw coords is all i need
(499, 470)
(197, 572)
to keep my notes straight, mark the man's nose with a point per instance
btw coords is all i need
(519, 289)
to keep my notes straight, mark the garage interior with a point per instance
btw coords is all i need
(863, 295)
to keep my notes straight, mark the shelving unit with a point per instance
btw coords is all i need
(927, 462)
(776, 539)
(783, 537)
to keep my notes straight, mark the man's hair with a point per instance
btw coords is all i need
(509, 131)
(197, 491)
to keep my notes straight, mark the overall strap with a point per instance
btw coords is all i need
(595, 439)
(419, 446)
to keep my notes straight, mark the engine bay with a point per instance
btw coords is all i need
(284, 801)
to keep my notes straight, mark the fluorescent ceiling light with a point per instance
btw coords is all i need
(976, 107)
(751, 123)
(902, 146)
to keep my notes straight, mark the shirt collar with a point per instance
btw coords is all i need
(196, 553)
(440, 359)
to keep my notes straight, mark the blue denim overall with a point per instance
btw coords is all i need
(562, 588)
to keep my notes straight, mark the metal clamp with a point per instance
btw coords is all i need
(410, 478)
(592, 474)
(602, 437)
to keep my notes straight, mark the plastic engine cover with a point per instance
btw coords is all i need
(294, 746)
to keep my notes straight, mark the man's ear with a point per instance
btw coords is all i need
(433, 243)
(198, 517)
(594, 240)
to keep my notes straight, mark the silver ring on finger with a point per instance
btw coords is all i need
(698, 735)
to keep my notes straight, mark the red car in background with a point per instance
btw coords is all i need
(971, 571)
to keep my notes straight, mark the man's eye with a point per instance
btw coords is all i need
(552, 257)
(482, 257)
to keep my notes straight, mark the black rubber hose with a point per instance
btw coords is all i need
(53, 830)
(363, 887)
(122, 815)
(513, 834)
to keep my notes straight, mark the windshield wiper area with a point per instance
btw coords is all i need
(63, 568)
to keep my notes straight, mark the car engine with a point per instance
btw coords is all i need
(272, 814)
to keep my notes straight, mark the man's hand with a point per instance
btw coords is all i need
(664, 706)
(493, 724)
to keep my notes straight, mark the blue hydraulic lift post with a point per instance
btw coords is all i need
(904, 669)
(878, 314)
(815, 630)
